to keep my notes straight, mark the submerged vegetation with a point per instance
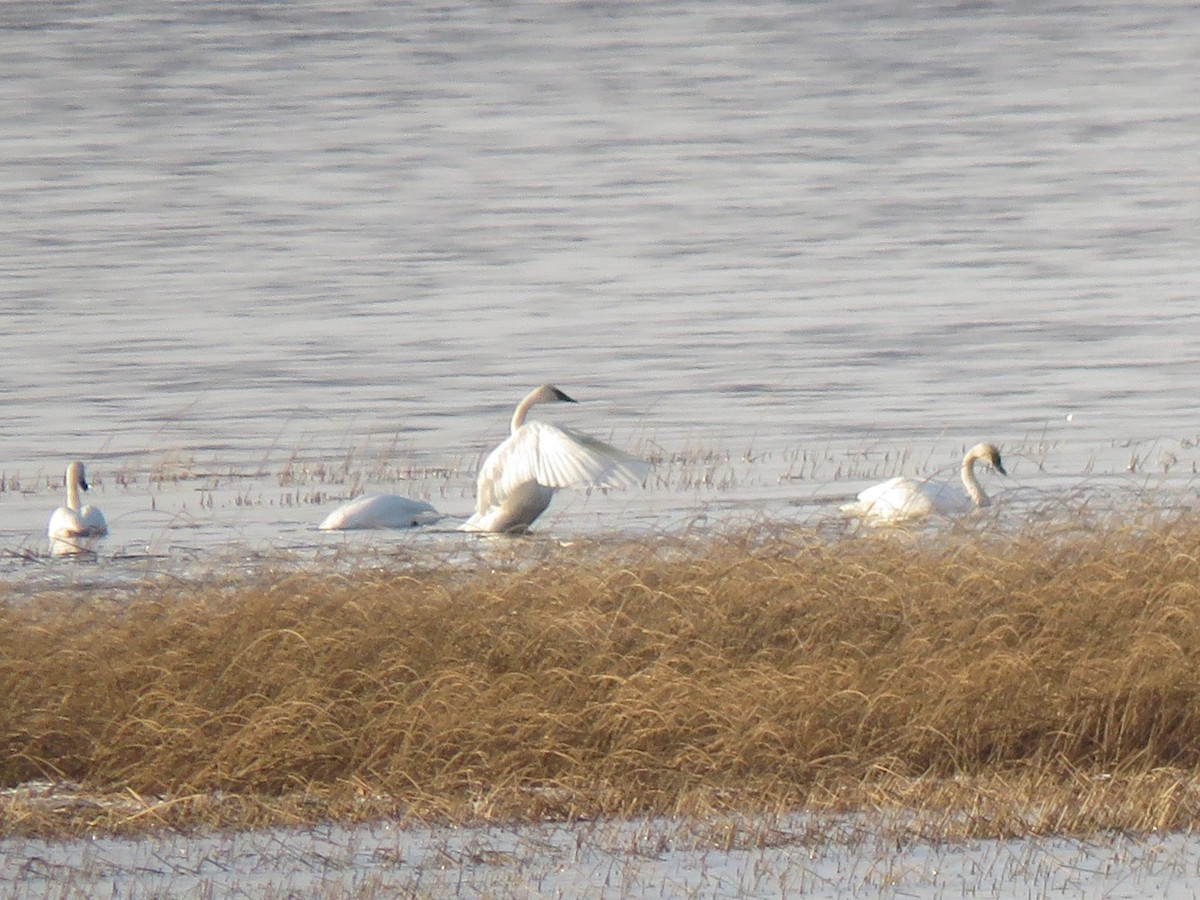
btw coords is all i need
(987, 684)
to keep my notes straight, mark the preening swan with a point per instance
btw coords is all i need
(71, 526)
(900, 498)
(380, 511)
(518, 479)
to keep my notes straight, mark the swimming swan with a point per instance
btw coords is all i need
(900, 498)
(518, 479)
(380, 511)
(71, 526)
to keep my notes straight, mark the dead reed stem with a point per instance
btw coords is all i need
(999, 684)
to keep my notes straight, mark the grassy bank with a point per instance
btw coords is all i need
(998, 685)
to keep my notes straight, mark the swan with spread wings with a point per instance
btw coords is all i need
(518, 479)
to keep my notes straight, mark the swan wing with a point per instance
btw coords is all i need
(93, 521)
(894, 499)
(66, 523)
(947, 499)
(903, 498)
(553, 457)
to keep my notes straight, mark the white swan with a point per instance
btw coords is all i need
(900, 498)
(380, 511)
(518, 479)
(71, 527)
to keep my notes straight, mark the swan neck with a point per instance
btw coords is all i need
(971, 483)
(72, 494)
(518, 418)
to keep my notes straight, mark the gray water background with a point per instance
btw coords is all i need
(785, 249)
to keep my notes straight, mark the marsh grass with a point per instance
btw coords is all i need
(1000, 685)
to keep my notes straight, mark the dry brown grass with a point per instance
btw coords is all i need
(992, 684)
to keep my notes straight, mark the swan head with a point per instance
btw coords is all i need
(988, 454)
(77, 475)
(548, 393)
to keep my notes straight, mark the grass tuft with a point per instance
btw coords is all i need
(991, 684)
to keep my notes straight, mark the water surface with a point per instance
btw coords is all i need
(258, 256)
(799, 856)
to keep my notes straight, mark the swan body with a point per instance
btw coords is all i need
(900, 499)
(72, 527)
(518, 479)
(380, 511)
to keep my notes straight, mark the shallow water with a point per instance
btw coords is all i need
(655, 858)
(258, 257)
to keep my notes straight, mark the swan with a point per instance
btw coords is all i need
(380, 511)
(518, 479)
(903, 498)
(71, 526)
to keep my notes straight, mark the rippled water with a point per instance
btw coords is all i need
(257, 256)
(855, 857)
